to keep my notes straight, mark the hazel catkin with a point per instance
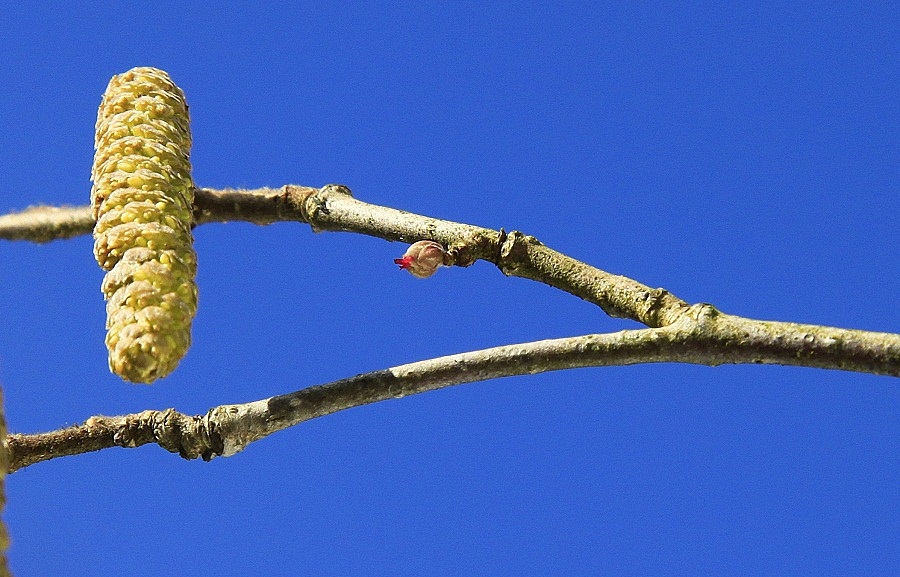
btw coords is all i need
(142, 198)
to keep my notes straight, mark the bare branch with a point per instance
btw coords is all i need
(46, 223)
(333, 208)
(679, 332)
(703, 336)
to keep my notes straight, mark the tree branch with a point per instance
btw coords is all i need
(333, 208)
(45, 223)
(704, 336)
(678, 332)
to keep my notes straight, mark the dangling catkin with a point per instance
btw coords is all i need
(142, 197)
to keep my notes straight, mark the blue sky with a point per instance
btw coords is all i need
(742, 156)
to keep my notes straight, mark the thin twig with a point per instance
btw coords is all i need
(45, 223)
(333, 208)
(704, 337)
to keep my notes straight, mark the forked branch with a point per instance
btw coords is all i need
(678, 332)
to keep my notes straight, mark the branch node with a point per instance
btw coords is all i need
(655, 302)
(317, 203)
(514, 251)
(295, 199)
(329, 189)
(501, 240)
(703, 313)
(133, 431)
(459, 254)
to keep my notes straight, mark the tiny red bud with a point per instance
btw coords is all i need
(422, 258)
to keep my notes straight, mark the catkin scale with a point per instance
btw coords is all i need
(142, 198)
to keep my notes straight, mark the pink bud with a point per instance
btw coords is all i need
(422, 258)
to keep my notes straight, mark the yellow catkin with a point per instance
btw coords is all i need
(142, 198)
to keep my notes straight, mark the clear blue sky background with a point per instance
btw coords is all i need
(742, 156)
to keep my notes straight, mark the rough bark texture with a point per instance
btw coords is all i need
(676, 331)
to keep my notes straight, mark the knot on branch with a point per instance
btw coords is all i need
(657, 309)
(512, 252)
(695, 318)
(189, 436)
(469, 248)
(295, 199)
(315, 203)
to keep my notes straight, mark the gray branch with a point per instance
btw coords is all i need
(703, 336)
(333, 208)
(678, 332)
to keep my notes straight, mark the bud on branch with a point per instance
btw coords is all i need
(422, 258)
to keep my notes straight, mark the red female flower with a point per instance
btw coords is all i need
(422, 258)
